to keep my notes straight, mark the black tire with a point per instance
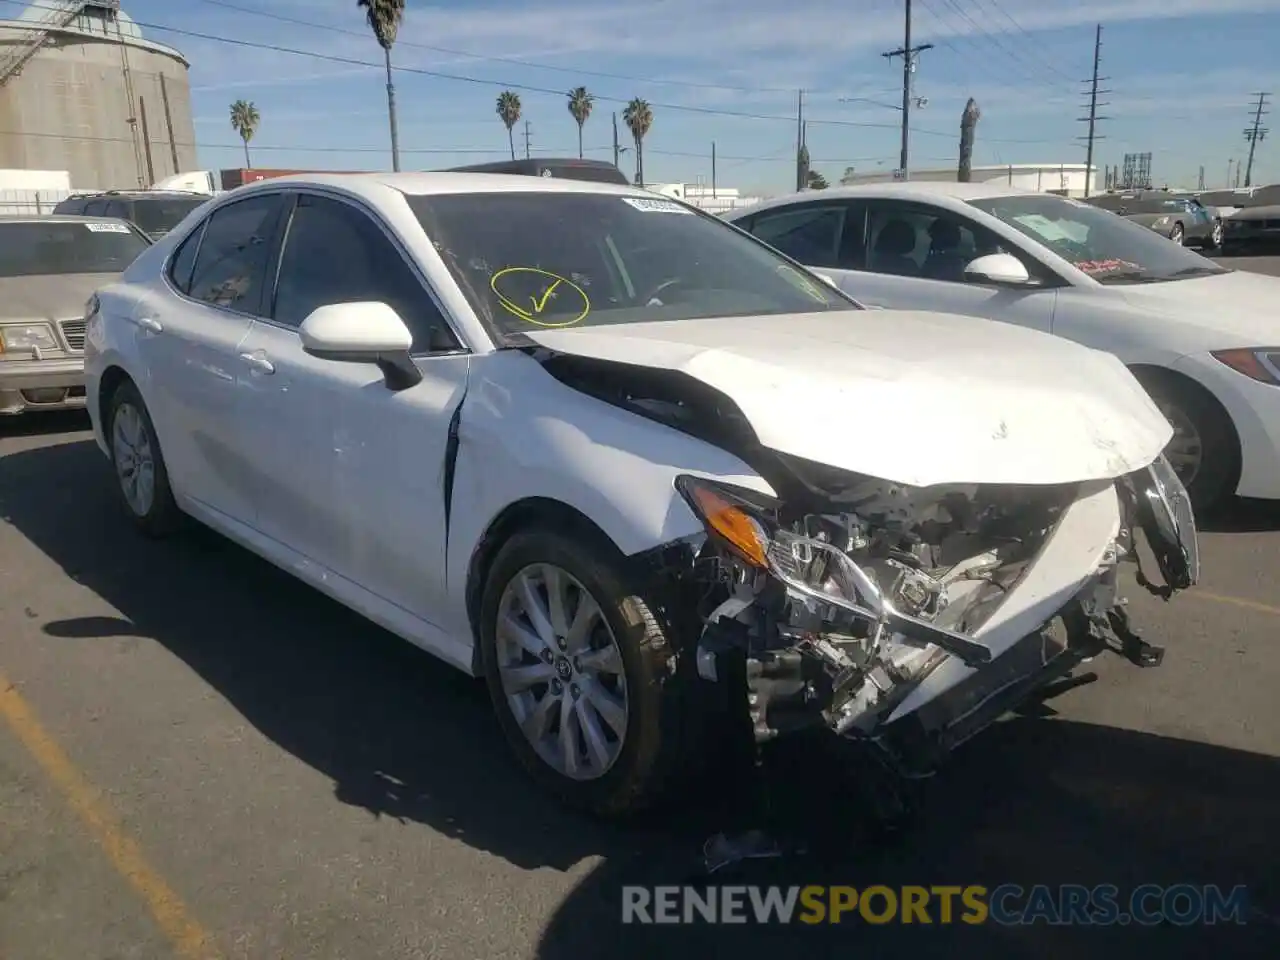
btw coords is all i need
(650, 750)
(1214, 482)
(162, 518)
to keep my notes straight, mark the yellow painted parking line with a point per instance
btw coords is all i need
(1235, 601)
(189, 939)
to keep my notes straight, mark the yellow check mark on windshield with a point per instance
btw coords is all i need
(540, 305)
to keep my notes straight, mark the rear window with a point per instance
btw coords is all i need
(573, 171)
(161, 216)
(35, 248)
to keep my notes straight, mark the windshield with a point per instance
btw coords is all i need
(1104, 245)
(161, 216)
(31, 248)
(532, 260)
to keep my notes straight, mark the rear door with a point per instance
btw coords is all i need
(190, 334)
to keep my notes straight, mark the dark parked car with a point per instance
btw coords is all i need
(1182, 219)
(565, 168)
(154, 212)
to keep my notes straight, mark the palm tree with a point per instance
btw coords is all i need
(638, 117)
(509, 111)
(968, 124)
(384, 18)
(580, 103)
(244, 121)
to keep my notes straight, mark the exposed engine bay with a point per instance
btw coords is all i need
(833, 604)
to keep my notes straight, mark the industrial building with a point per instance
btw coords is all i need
(1065, 179)
(82, 90)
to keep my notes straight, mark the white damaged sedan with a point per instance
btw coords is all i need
(631, 466)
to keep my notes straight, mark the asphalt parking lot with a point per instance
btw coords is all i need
(202, 758)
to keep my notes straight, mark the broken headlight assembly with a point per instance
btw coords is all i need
(819, 572)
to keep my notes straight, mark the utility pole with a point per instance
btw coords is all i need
(617, 158)
(1200, 185)
(908, 54)
(1255, 134)
(713, 169)
(1093, 118)
(527, 139)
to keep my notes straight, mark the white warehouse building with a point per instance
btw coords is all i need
(1066, 179)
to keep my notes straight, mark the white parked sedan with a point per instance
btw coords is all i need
(1204, 340)
(639, 471)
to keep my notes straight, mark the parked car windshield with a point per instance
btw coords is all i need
(34, 248)
(161, 216)
(530, 260)
(1102, 244)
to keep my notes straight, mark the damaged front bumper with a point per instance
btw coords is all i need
(832, 628)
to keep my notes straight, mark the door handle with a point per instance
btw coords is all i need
(150, 324)
(258, 362)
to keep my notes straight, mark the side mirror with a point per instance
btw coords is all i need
(366, 332)
(1000, 268)
(830, 281)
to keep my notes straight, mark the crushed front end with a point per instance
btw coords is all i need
(913, 618)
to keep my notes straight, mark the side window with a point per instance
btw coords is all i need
(95, 208)
(116, 208)
(231, 267)
(932, 244)
(183, 260)
(809, 233)
(336, 253)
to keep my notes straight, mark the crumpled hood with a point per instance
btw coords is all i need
(59, 297)
(914, 397)
(1238, 309)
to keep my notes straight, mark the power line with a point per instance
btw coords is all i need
(1255, 134)
(1093, 118)
(440, 75)
(434, 151)
(1014, 57)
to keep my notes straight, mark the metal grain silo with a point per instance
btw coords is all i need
(82, 90)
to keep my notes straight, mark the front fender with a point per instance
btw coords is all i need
(523, 434)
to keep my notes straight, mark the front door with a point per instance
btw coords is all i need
(189, 336)
(908, 256)
(349, 475)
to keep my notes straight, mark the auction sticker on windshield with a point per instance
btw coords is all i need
(536, 296)
(655, 206)
(107, 227)
(1105, 266)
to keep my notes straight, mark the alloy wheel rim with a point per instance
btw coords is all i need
(1176, 236)
(1217, 234)
(1185, 451)
(134, 459)
(562, 671)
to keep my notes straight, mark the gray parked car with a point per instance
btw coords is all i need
(49, 268)
(1182, 219)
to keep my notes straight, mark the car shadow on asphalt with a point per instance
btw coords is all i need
(402, 735)
(1241, 515)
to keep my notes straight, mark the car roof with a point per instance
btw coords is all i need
(55, 218)
(134, 194)
(921, 190)
(369, 185)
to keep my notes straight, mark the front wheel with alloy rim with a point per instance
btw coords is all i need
(1204, 451)
(1215, 239)
(141, 477)
(1176, 233)
(577, 667)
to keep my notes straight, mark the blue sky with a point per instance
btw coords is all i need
(1181, 75)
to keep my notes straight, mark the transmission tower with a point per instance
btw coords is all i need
(1092, 106)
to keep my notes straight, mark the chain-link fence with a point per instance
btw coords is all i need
(27, 202)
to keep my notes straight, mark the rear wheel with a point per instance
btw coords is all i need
(141, 477)
(1204, 451)
(577, 668)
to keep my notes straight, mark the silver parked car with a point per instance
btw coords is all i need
(1182, 219)
(49, 267)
